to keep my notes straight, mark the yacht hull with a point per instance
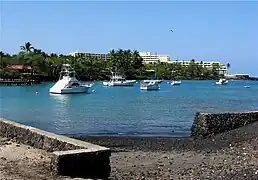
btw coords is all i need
(83, 89)
(221, 83)
(123, 84)
(175, 83)
(105, 83)
(158, 81)
(126, 83)
(150, 85)
(150, 88)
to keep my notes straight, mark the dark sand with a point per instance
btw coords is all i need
(230, 155)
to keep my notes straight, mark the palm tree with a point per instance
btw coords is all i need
(37, 51)
(53, 55)
(27, 47)
(228, 66)
(137, 60)
(192, 61)
(3, 60)
(2, 54)
(112, 64)
(61, 55)
(90, 64)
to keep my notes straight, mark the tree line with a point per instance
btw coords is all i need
(126, 62)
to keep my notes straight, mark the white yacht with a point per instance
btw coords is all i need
(159, 81)
(153, 77)
(222, 82)
(117, 80)
(156, 80)
(174, 83)
(68, 83)
(150, 85)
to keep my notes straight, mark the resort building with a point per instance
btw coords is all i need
(101, 56)
(206, 64)
(149, 57)
(237, 76)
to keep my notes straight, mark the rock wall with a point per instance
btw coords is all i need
(26, 135)
(70, 157)
(206, 124)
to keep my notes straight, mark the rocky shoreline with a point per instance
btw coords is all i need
(229, 155)
(214, 143)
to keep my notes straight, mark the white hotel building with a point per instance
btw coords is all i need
(149, 57)
(206, 64)
(102, 56)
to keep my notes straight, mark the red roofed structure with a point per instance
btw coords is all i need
(18, 67)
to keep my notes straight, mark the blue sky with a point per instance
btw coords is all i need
(224, 31)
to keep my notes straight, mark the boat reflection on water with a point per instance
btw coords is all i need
(64, 98)
(61, 110)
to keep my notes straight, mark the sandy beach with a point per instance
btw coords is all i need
(19, 162)
(230, 155)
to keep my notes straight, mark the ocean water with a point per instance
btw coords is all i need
(125, 110)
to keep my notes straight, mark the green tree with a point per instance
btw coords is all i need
(126, 62)
(27, 47)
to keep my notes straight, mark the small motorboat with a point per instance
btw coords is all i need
(222, 82)
(247, 86)
(117, 80)
(105, 83)
(159, 81)
(156, 80)
(175, 83)
(150, 85)
(153, 77)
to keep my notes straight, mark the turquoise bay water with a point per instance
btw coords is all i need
(125, 110)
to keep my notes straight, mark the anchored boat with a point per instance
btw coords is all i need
(222, 82)
(175, 83)
(118, 80)
(156, 80)
(149, 85)
(68, 83)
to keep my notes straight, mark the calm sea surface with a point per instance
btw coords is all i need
(124, 110)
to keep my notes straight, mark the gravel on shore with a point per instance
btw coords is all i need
(230, 155)
(217, 142)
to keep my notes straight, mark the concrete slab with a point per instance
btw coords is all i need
(71, 157)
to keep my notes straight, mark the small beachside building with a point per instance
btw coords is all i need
(19, 67)
(22, 69)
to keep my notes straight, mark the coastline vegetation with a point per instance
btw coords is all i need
(46, 67)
